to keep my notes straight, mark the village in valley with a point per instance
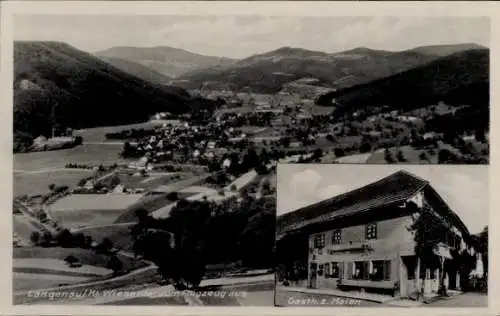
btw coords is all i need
(148, 175)
(224, 159)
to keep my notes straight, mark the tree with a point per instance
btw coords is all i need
(286, 142)
(339, 152)
(114, 181)
(400, 156)
(52, 186)
(194, 266)
(429, 231)
(482, 247)
(447, 156)
(87, 242)
(330, 138)
(173, 196)
(105, 246)
(71, 259)
(423, 156)
(79, 240)
(479, 135)
(35, 237)
(266, 187)
(388, 156)
(82, 182)
(46, 239)
(78, 140)
(365, 145)
(64, 238)
(317, 154)
(115, 264)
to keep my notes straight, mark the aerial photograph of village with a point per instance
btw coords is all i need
(395, 236)
(145, 156)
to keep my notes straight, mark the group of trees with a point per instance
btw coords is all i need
(481, 243)
(130, 151)
(430, 231)
(71, 165)
(389, 157)
(64, 238)
(199, 233)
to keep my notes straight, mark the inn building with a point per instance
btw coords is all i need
(363, 239)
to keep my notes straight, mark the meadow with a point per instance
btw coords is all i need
(98, 134)
(85, 256)
(38, 183)
(410, 154)
(118, 234)
(85, 154)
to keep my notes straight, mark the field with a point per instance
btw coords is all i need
(319, 110)
(84, 154)
(85, 256)
(410, 154)
(39, 277)
(242, 110)
(24, 225)
(92, 209)
(154, 180)
(118, 234)
(32, 183)
(98, 134)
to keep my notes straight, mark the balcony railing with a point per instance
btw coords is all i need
(355, 246)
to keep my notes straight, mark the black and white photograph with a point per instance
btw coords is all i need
(146, 148)
(405, 236)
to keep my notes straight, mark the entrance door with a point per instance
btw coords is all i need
(313, 275)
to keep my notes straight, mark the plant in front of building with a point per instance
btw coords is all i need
(429, 232)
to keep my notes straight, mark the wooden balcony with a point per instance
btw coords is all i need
(357, 246)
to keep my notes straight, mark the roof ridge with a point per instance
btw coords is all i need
(405, 172)
(356, 190)
(340, 201)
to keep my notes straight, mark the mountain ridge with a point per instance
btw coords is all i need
(78, 90)
(444, 79)
(169, 61)
(269, 71)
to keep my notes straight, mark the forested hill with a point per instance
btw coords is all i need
(461, 78)
(57, 84)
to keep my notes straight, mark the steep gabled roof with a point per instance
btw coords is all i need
(395, 188)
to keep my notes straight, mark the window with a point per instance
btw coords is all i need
(334, 270)
(327, 269)
(360, 270)
(319, 241)
(320, 269)
(337, 237)
(381, 270)
(371, 231)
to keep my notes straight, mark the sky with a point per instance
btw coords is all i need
(242, 36)
(464, 188)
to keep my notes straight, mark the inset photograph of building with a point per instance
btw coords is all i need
(382, 235)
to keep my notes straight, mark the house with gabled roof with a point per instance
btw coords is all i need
(363, 239)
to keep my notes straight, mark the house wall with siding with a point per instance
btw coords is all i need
(393, 239)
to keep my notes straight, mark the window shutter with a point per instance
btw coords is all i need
(387, 270)
(366, 267)
(350, 269)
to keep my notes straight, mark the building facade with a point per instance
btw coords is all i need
(365, 239)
